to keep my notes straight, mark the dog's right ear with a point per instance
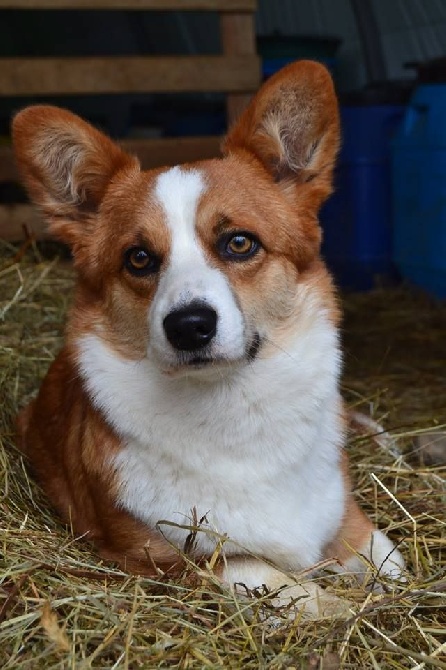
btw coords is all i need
(66, 166)
(292, 127)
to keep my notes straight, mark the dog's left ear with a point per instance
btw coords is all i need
(292, 127)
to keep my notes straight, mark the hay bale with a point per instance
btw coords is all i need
(61, 607)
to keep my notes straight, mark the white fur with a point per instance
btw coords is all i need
(189, 277)
(256, 452)
(253, 448)
(382, 553)
(287, 590)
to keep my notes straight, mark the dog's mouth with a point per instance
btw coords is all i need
(198, 361)
(254, 347)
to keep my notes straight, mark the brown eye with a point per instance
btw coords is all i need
(238, 246)
(140, 262)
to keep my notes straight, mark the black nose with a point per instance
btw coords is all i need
(190, 327)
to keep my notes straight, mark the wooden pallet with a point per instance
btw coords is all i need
(235, 72)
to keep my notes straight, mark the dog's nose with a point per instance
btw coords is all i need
(190, 327)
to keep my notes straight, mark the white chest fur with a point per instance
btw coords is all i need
(255, 452)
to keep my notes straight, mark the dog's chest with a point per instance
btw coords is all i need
(255, 453)
(251, 473)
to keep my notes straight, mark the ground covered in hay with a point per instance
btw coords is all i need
(60, 607)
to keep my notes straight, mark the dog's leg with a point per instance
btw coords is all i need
(358, 543)
(246, 574)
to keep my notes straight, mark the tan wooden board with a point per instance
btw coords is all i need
(147, 5)
(237, 38)
(15, 219)
(173, 150)
(129, 74)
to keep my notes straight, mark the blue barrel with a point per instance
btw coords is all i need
(357, 219)
(419, 190)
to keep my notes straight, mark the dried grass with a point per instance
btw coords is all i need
(60, 607)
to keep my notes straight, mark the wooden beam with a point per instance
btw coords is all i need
(8, 170)
(127, 74)
(238, 39)
(14, 219)
(154, 153)
(146, 5)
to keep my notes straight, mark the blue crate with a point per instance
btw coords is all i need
(356, 220)
(419, 190)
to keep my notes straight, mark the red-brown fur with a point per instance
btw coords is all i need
(67, 458)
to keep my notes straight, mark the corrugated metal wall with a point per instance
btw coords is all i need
(411, 30)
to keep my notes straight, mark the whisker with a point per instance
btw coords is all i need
(279, 348)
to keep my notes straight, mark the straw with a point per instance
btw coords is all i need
(62, 607)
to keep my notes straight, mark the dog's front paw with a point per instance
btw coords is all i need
(378, 558)
(293, 594)
(312, 601)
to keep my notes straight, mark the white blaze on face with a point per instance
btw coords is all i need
(188, 277)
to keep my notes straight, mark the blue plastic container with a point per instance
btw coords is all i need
(277, 51)
(419, 190)
(356, 220)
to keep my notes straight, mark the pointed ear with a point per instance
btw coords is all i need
(292, 127)
(66, 166)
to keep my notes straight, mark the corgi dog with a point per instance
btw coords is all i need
(199, 377)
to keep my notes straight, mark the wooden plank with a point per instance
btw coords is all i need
(127, 74)
(238, 39)
(8, 171)
(151, 152)
(146, 5)
(13, 218)
(173, 150)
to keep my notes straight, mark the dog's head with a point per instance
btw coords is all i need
(194, 266)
